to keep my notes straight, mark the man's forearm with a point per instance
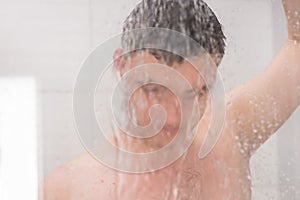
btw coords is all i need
(292, 11)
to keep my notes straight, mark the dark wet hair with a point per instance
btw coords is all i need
(190, 17)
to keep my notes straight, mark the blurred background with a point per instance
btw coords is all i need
(42, 45)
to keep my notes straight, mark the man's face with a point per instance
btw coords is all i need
(148, 95)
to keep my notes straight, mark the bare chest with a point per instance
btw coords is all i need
(209, 179)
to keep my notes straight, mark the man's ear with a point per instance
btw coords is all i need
(119, 62)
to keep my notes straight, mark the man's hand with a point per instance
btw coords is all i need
(292, 12)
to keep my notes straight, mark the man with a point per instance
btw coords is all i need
(254, 112)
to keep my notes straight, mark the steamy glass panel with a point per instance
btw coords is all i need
(150, 99)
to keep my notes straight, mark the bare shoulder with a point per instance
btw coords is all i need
(78, 178)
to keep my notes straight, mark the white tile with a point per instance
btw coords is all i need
(265, 193)
(58, 137)
(44, 40)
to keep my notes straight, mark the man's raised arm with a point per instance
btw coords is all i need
(264, 104)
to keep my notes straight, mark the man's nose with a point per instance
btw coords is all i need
(172, 107)
(164, 97)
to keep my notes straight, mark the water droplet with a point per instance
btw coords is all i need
(259, 137)
(295, 42)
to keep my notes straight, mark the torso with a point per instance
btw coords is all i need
(223, 174)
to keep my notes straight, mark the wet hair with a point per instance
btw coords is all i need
(193, 18)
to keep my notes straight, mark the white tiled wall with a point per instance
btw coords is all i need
(49, 39)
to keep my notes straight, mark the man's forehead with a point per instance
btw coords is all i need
(198, 70)
(202, 63)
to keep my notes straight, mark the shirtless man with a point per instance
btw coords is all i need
(254, 112)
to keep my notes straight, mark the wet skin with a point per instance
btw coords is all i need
(254, 112)
(223, 174)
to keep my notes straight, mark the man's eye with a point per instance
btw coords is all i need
(203, 91)
(154, 89)
(201, 94)
(149, 89)
(157, 56)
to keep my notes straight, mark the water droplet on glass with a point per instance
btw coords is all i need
(259, 137)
